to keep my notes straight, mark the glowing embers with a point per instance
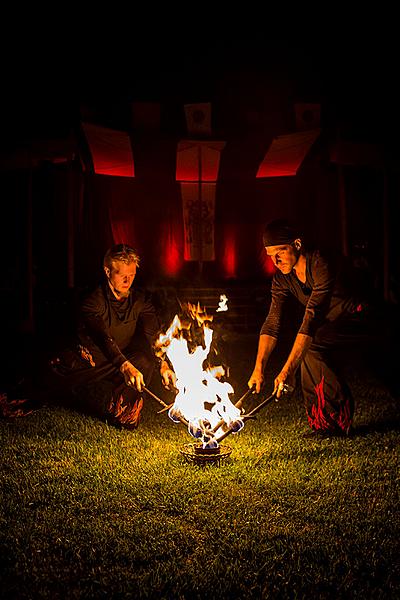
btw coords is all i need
(203, 395)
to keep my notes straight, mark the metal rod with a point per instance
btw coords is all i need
(163, 410)
(250, 415)
(145, 389)
(238, 405)
(223, 436)
(255, 410)
(244, 397)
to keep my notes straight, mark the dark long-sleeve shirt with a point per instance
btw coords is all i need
(325, 295)
(107, 325)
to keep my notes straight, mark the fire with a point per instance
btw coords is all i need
(203, 397)
(222, 306)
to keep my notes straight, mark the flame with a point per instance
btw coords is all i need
(203, 397)
(222, 306)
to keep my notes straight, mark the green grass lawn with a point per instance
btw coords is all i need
(88, 511)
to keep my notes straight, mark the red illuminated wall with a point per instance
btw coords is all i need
(148, 215)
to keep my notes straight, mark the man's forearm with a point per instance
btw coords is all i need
(297, 353)
(266, 344)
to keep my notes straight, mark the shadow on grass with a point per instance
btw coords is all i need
(381, 426)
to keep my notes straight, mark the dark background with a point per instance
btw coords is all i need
(253, 76)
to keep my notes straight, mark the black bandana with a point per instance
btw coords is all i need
(278, 233)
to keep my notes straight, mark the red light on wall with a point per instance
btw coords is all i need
(122, 231)
(111, 151)
(198, 161)
(268, 266)
(172, 260)
(229, 259)
(286, 154)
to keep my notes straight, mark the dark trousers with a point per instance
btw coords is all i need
(101, 394)
(328, 399)
(95, 390)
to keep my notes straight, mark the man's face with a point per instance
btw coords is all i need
(121, 276)
(284, 257)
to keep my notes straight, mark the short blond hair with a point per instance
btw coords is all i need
(121, 252)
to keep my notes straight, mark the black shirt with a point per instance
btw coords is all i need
(107, 325)
(326, 294)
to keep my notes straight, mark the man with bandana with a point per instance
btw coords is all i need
(113, 358)
(331, 321)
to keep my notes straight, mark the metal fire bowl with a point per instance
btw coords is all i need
(197, 455)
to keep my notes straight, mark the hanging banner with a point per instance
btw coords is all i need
(111, 151)
(197, 165)
(198, 118)
(198, 161)
(198, 201)
(308, 116)
(286, 154)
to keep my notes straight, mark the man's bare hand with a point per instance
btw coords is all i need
(285, 382)
(132, 375)
(168, 376)
(256, 379)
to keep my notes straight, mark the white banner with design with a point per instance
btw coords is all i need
(198, 202)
